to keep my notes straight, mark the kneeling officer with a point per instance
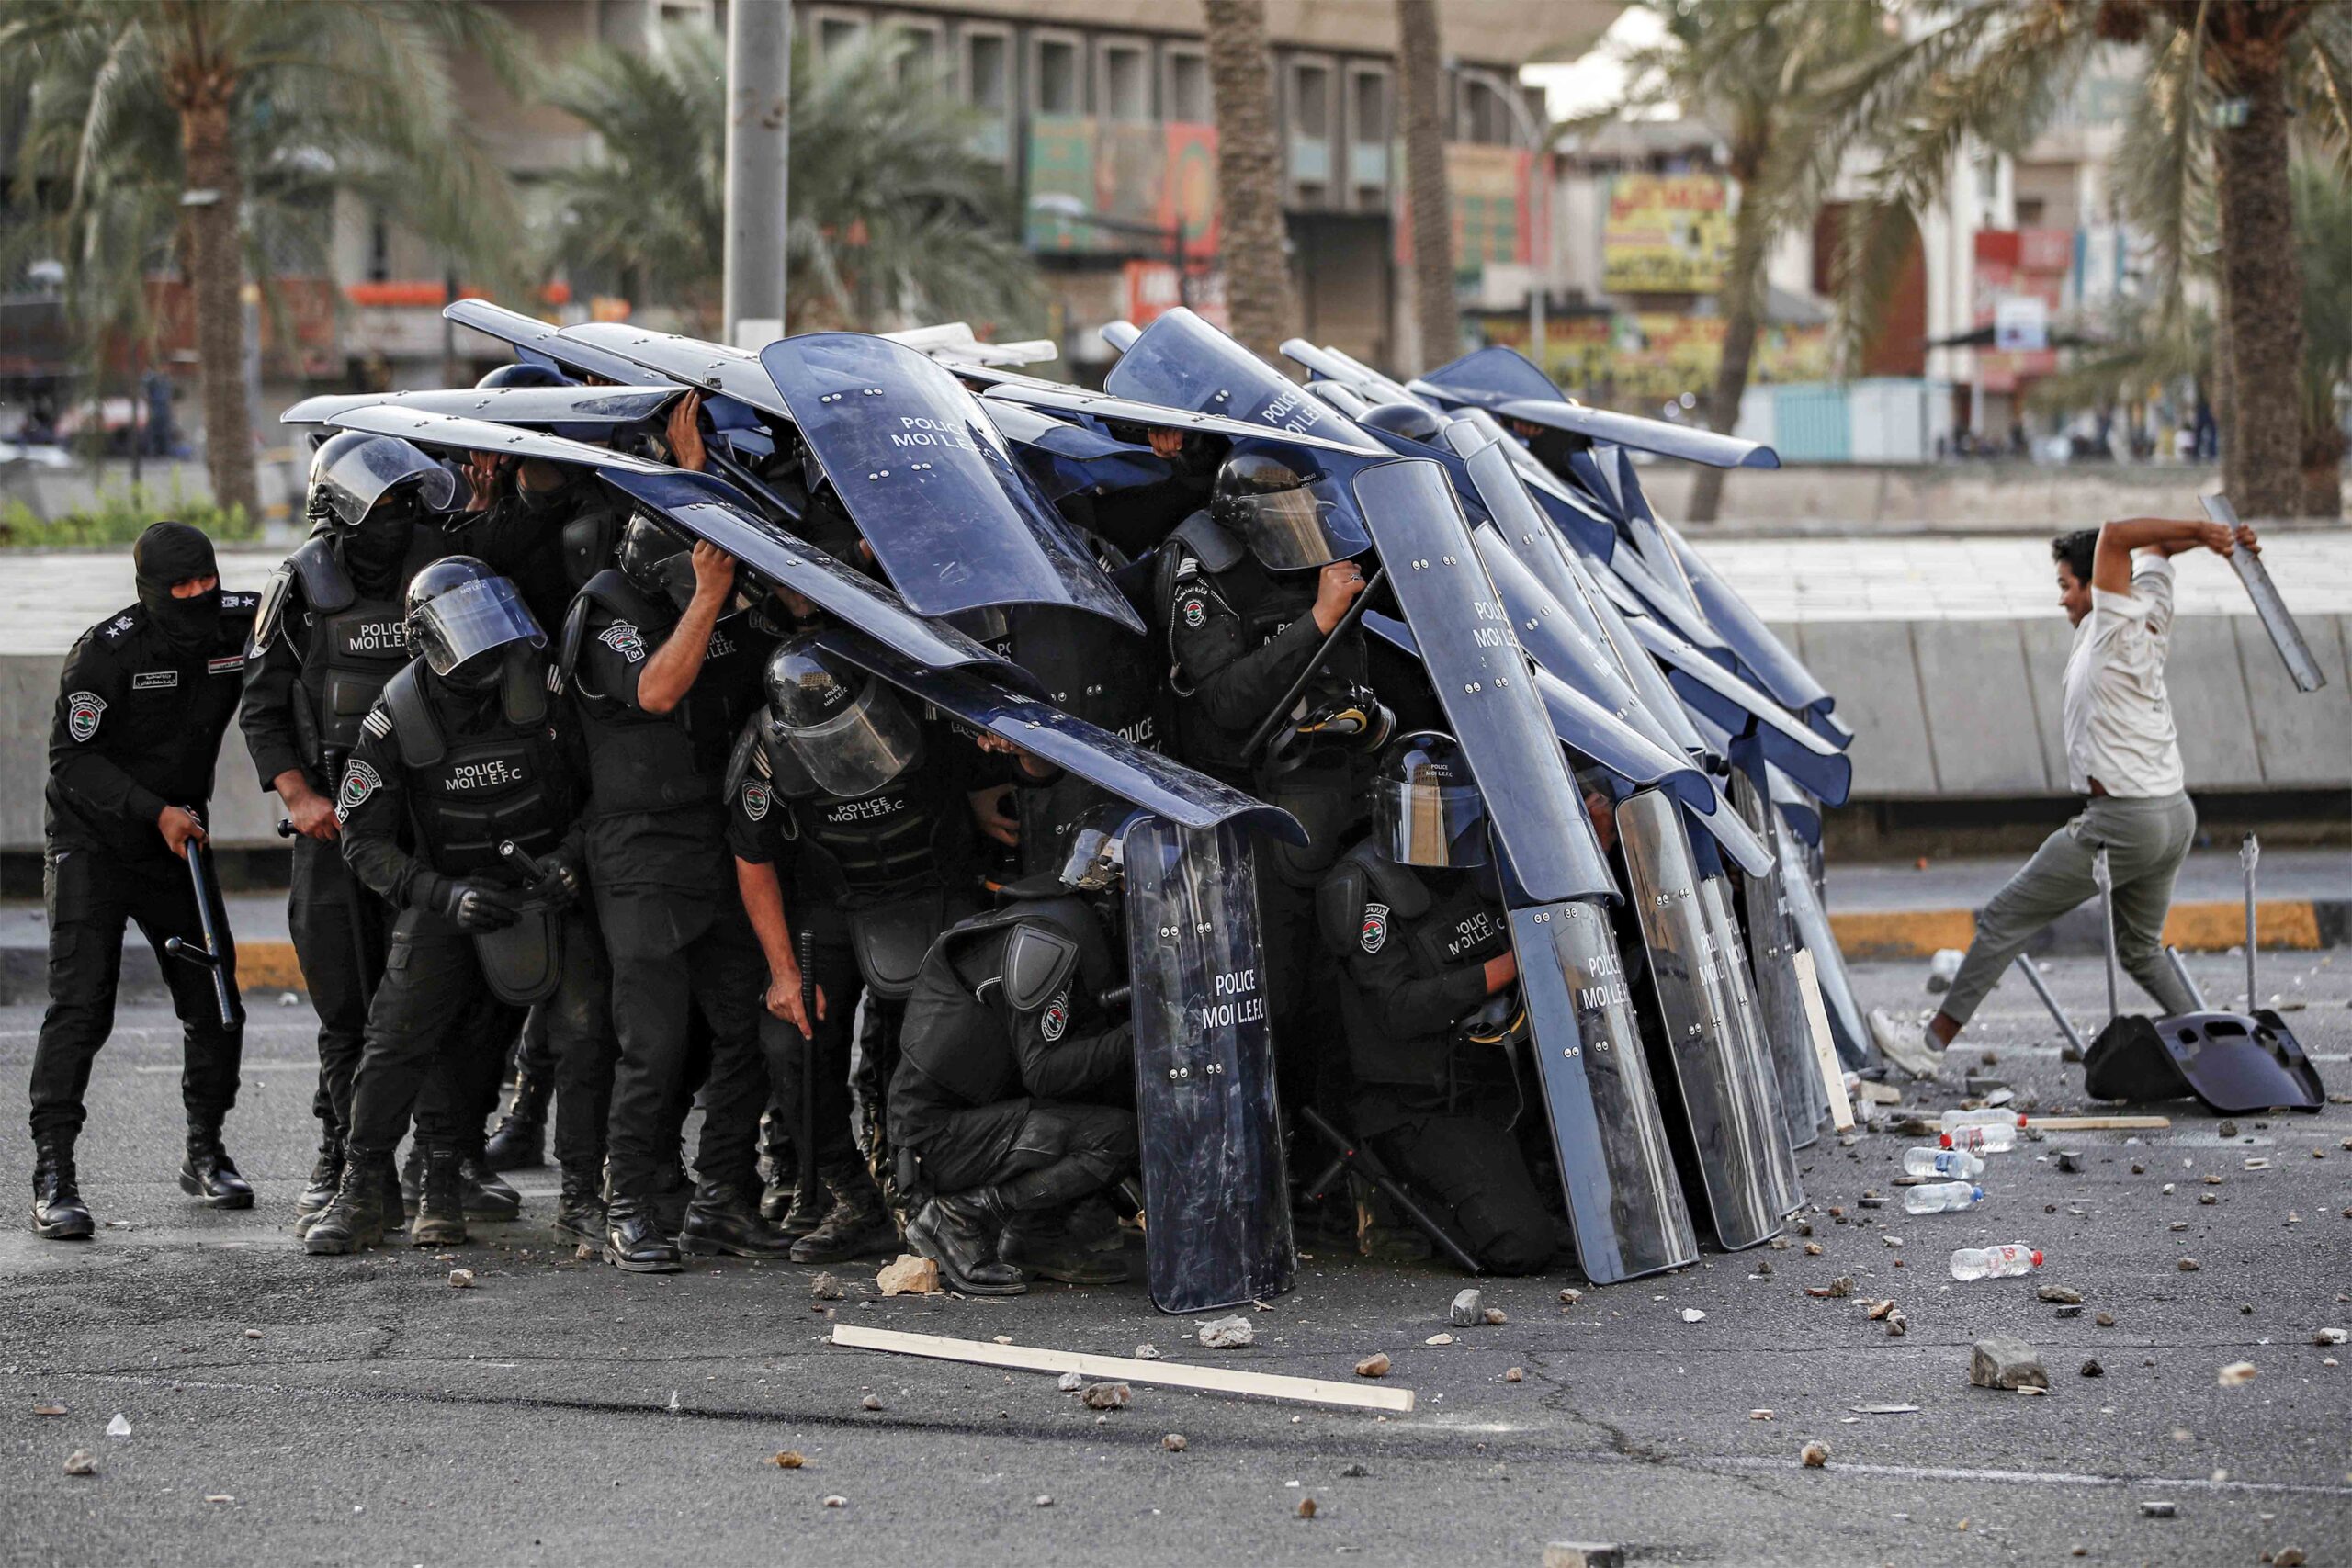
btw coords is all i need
(1013, 1050)
(464, 754)
(1413, 917)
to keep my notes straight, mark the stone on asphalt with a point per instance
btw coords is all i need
(48, 1410)
(825, 1288)
(836, 1501)
(2327, 1336)
(1692, 1314)
(2156, 1509)
(2091, 1368)
(1374, 1366)
(1814, 1454)
(1070, 1382)
(1354, 1471)
(1107, 1395)
(2288, 1557)
(2237, 1374)
(1174, 1442)
(2007, 1362)
(869, 1402)
(2065, 1294)
(1583, 1554)
(1466, 1308)
(1146, 1352)
(2186, 1266)
(1514, 1374)
(1228, 1333)
(1496, 1317)
(909, 1276)
(1305, 1507)
(789, 1459)
(461, 1279)
(1438, 1339)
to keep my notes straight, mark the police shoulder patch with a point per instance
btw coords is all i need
(756, 800)
(83, 711)
(378, 723)
(1054, 1022)
(1194, 608)
(121, 627)
(1375, 927)
(622, 638)
(359, 782)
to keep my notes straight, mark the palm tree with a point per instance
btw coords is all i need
(2226, 80)
(1429, 201)
(2323, 238)
(894, 217)
(198, 130)
(1257, 288)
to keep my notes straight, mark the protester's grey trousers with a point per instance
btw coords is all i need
(2145, 841)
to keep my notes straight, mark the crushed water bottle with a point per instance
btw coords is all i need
(1994, 1118)
(1995, 1262)
(1942, 1197)
(1941, 1162)
(1980, 1140)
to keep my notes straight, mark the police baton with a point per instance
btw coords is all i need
(1348, 619)
(808, 1130)
(213, 922)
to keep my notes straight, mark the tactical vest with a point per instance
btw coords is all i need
(658, 761)
(910, 833)
(1438, 923)
(957, 1029)
(348, 645)
(468, 793)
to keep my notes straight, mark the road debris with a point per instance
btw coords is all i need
(1106, 1396)
(2237, 1374)
(2319, 1337)
(1228, 1333)
(909, 1276)
(1174, 1442)
(1468, 1307)
(2155, 1508)
(119, 1427)
(1495, 1317)
(825, 1288)
(869, 1402)
(461, 1279)
(1841, 1286)
(1070, 1382)
(787, 1459)
(835, 1500)
(1354, 1471)
(1374, 1366)
(1438, 1339)
(48, 1410)
(1146, 1352)
(1692, 1314)
(1583, 1554)
(2005, 1361)
(1514, 1374)
(1305, 1509)
(2064, 1294)
(2091, 1368)
(2188, 1266)
(79, 1462)
(1814, 1454)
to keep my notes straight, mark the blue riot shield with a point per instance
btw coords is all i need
(1508, 382)
(581, 414)
(1773, 947)
(1216, 1207)
(929, 482)
(1183, 361)
(543, 343)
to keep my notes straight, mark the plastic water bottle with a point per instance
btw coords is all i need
(1941, 1162)
(1941, 1197)
(1995, 1262)
(1980, 1140)
(1994, 1118)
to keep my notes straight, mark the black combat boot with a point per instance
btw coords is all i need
(412, 1174)
(1042, 1243)
(857, 1224)
(393, 1195)
(326, 1175)
(440, 1206)
(794, 1210)
(673, 1191)
(208, 1174)
(519, 1142)
(635, 1242)
(723, 1220)
(580, 1207)
(484, 1194)
(958, 1232)
(59, 1214)
(354, 1218)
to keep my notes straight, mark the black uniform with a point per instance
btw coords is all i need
(331, 645)
(139, 715)
(868, 883)
(440, 778)
(673, 923)
(1013, 1073)
(1409, 945)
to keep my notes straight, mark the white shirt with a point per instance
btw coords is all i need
(2118, 720)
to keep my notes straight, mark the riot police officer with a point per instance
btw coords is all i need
(1413, 920)
(459, 806)
(1009, 1109)
(854, 843)
(1249, 590)
(141, 706)
(662, 687)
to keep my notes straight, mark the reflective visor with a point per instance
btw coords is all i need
(371, 470)
(1429, 824)
(860, 749)
(470, 621)
(1293, 530)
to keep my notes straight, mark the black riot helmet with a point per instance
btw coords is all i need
(523, 373)
(353, 471)
(658, 561)
(849, 732)
(1097, 861)
(462, 617)
(1290, 520)
(1410, 420)
(1425, 809)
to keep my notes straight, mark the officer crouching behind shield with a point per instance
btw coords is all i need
(1016, 1065)
(140, 710)
(459, 806)
(1427, 988)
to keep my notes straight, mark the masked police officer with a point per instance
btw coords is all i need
(459, 806)
(853, 840)
(1250, 589)
(1413, 918)
(662, 688)
(1017, 1066)
(140, 710)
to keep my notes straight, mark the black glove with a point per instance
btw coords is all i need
(565, 882)
(479, 906)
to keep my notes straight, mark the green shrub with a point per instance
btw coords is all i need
(117, 518)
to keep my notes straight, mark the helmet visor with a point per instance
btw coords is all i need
(1429, 824)
(1292, 530)
(360, 478)
(859, 748)
(1097, 858)
(472, 622)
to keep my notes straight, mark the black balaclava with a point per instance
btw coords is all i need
(376, 551)
(174, 552)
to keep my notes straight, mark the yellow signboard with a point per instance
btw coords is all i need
(1665, 234)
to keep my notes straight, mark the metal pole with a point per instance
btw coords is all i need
(2249, 852)
(759, 142)
(2107, 924)
(2033, 978)
(2187, 981)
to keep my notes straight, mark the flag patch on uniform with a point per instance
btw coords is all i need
(1196, 611)
(359, 782)
(623, 640)
(83, 711)
(1055, 1023)
(1375, 927)
(229, 664)
(154, 680)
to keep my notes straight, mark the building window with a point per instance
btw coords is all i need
(1188, 87)
(988, 59)
(1368, 130)
(920, 53)
(1054, 88)
(1310, 123)
(836, 33)
(1124, 90)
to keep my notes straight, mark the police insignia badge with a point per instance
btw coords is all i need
(1196, 612)
(1054, 1022)
(83, 711)
(622, 638)
(756, 800)
(1375, 927)
(359, 782)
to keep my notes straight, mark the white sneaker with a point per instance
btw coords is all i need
(1907, 1045)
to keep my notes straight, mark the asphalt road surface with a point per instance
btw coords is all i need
(288, 1409)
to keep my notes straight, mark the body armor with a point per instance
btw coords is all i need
(470, 791)
(348, 646)
(1436, 923)
(659, 762)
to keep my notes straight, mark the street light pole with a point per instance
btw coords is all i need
(759, 145)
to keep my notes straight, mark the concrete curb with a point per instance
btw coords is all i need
(261, 966)
(2290, 924)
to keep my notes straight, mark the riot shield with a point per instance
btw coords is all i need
(1030, 392)
(1731, 970)
(540, 343)
(1504, 380)
(1574, 516)
(1183, 361)
(1730, 1122)
(930, 483)
(464, 434)
(1616, 1162)
(1772, 950)
(582, 413)
(1763, 655)
(1846, 1028)
(1216, 1206)
(1730, 702)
